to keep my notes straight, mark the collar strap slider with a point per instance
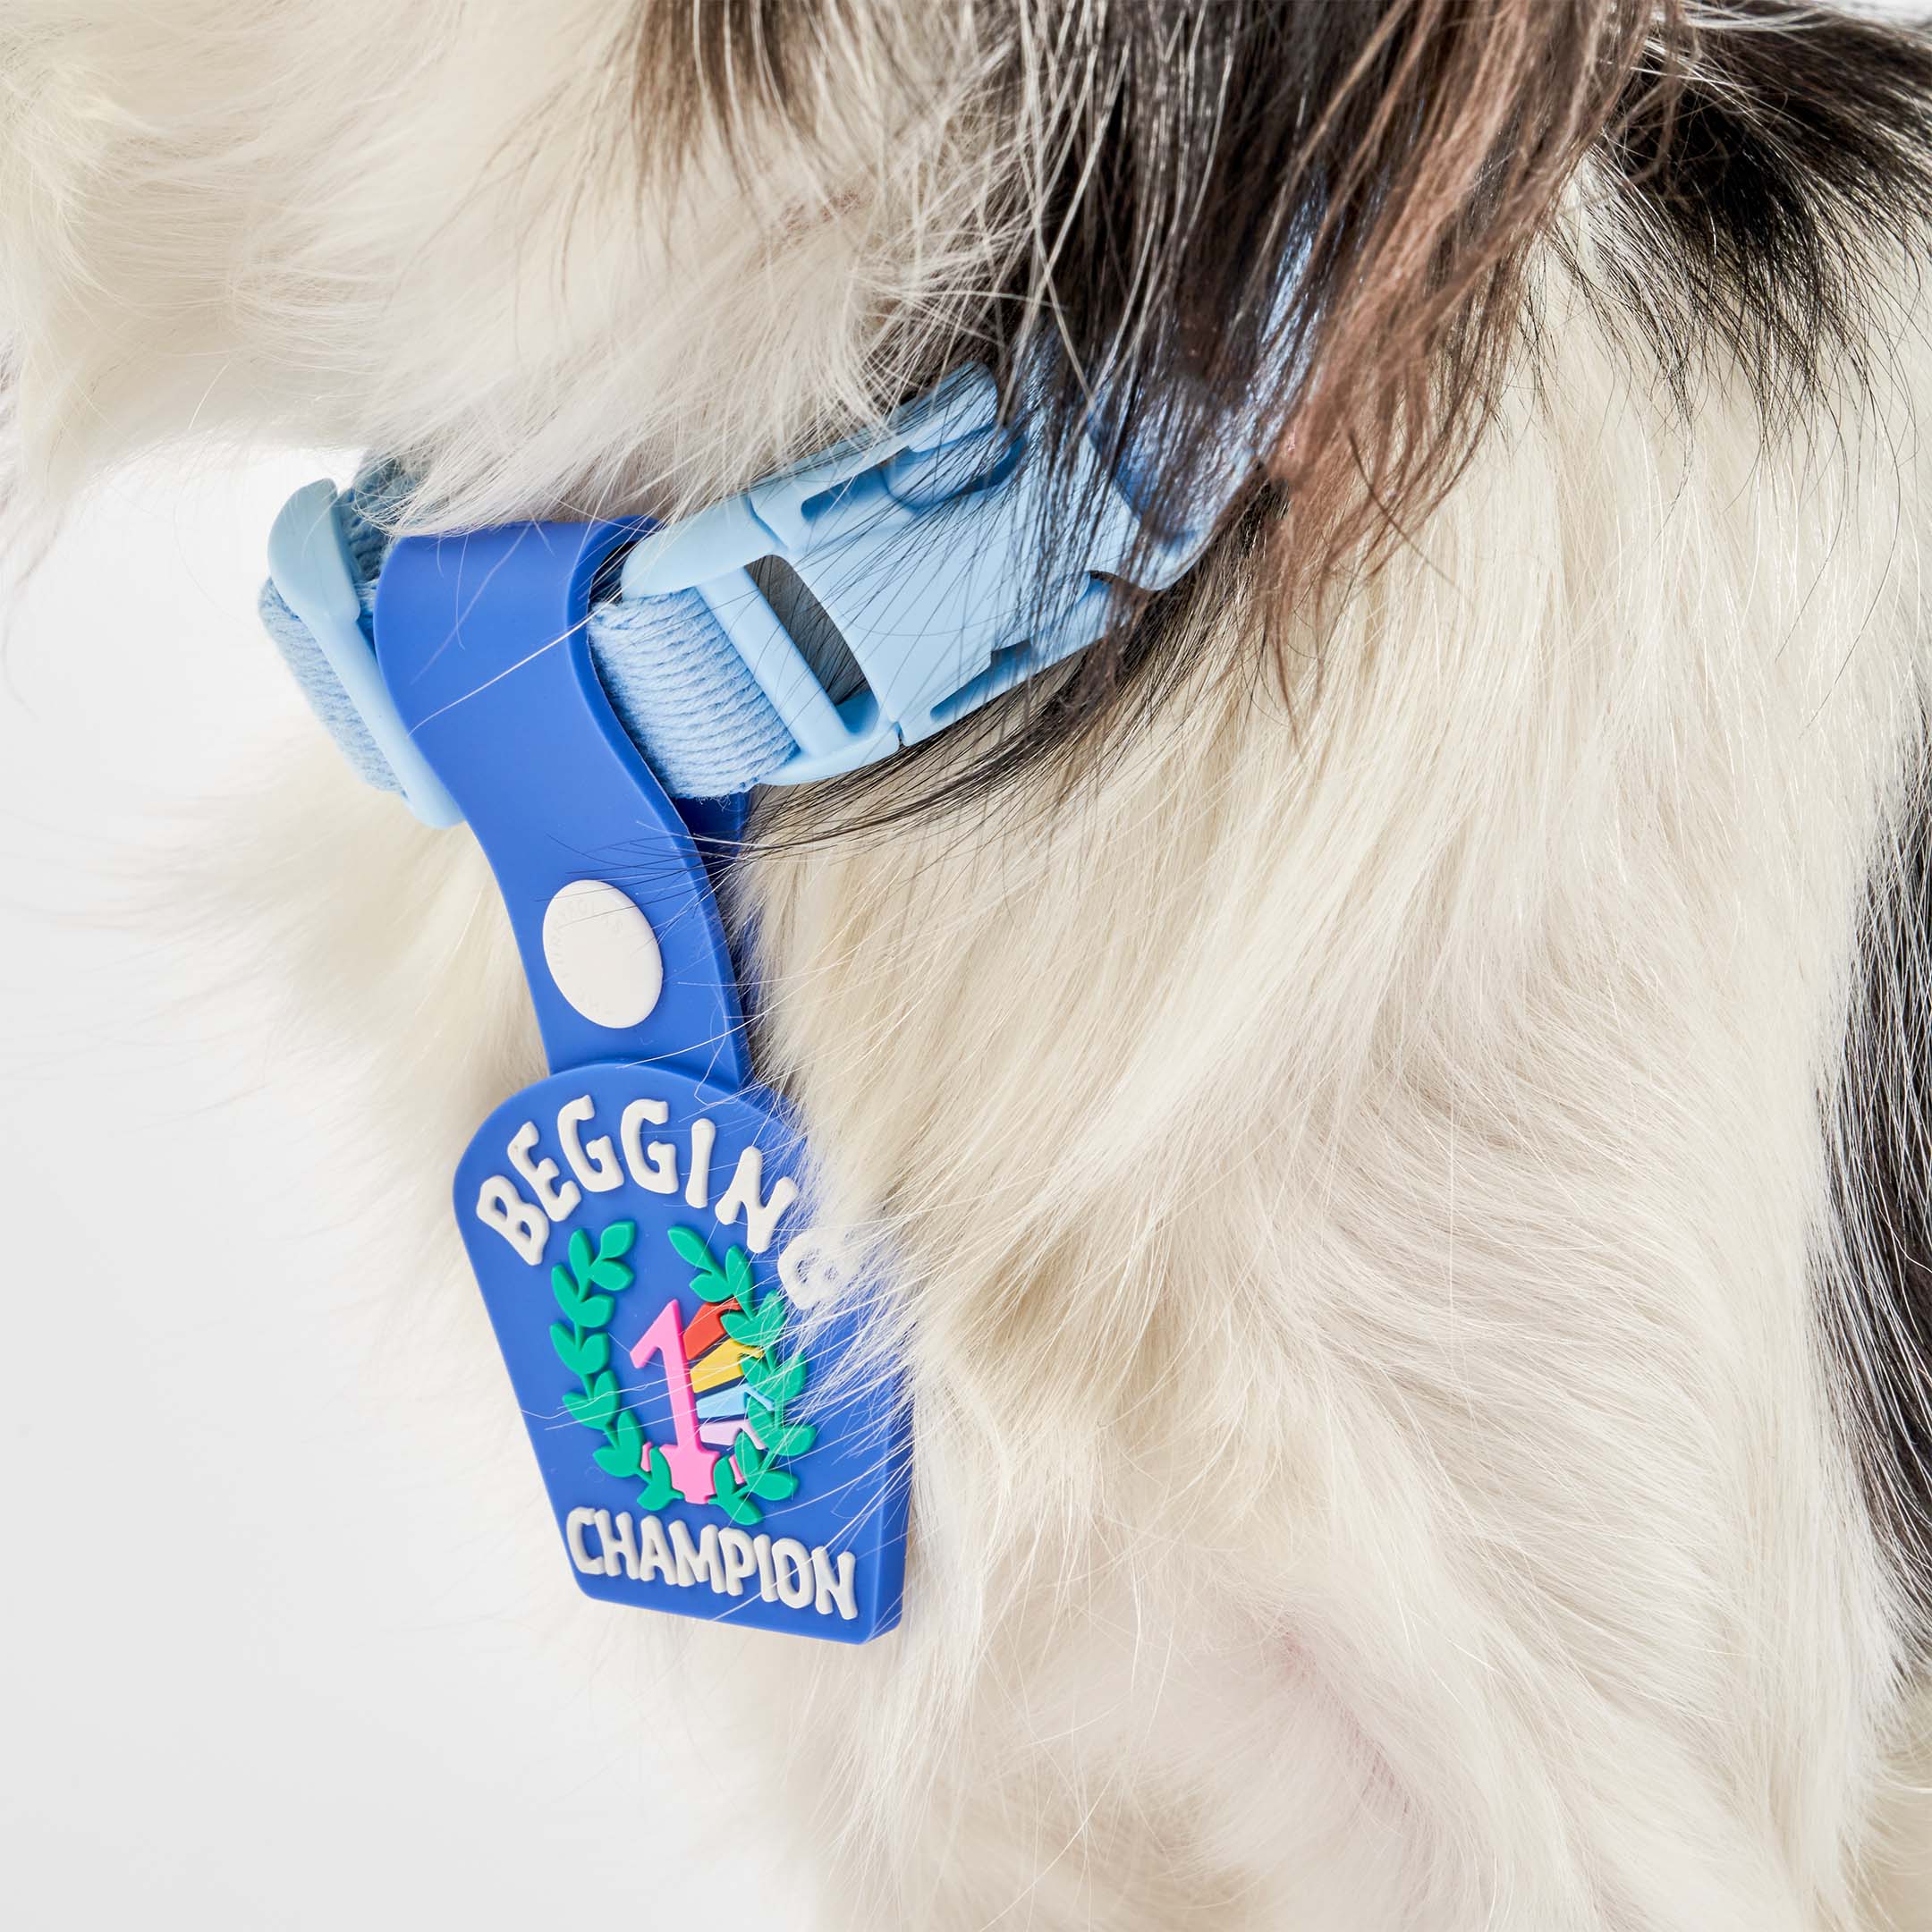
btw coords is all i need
(311, 565)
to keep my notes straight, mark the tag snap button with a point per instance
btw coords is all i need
(602, 953)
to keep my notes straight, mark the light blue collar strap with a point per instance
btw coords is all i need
(811, 625)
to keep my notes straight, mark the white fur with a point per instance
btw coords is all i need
(1444, 1524)
(246, 217)
(1357, 1166)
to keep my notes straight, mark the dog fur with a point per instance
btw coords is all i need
(1393, 1089)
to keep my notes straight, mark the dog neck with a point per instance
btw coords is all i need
(596, 700)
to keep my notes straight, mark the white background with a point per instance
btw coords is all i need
(272, 1653)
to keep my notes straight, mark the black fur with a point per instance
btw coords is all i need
(1879, 1314)
(1763, 189)
(1759, 154)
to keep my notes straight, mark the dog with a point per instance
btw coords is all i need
(1394, 1079)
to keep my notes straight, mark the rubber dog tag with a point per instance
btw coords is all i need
(638, 1220)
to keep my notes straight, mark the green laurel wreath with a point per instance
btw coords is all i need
(758, 1322)
(586, 1293)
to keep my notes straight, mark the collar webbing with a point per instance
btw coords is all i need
(913, 570)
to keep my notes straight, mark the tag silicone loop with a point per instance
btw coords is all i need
(482, 641)
(686, 1343)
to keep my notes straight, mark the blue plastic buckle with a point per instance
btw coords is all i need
(913, 542)
(310, 566)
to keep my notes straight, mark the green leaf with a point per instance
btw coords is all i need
(625, 1457)
(598, 1403)
(689, 1244)
(794, 1439)
(749, 1329)
(776, 1486)
(747, 1455)
(611, 1275)
(597, 1407)
(582, 1355)
(738, 1273)
(615, 1240)
(787, 1382)
(580, 1256)
(759, 1331)
(729, 1498)
(659, 1492)
(586, 1310)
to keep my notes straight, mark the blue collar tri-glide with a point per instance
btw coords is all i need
(683, 1339)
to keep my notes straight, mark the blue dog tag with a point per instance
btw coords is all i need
(639, 1221)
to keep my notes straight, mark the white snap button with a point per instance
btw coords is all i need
(602, 953)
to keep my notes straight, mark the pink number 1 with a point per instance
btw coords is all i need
(691, 1461)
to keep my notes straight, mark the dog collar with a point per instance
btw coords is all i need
(814, 624)
(720, 1430)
